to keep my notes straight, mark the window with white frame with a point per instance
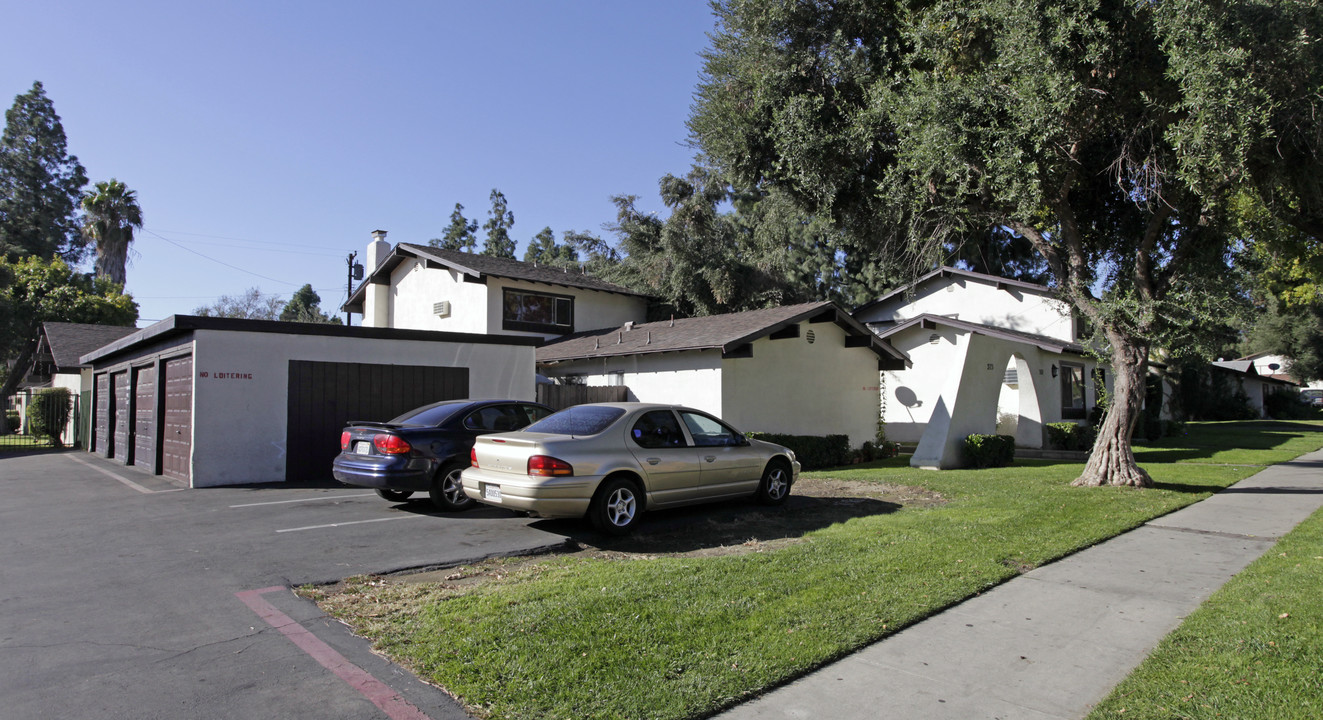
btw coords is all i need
(537, 312)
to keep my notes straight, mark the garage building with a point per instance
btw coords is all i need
(223, 401)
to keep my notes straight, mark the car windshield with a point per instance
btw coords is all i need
(429, 415)
(578, 420)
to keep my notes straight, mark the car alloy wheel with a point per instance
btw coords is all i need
(448, 490)
(616, 509)
(775, 485)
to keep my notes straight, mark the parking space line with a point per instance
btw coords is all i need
(351, 522)
(121, 478)
(379, 693)
(303, 500)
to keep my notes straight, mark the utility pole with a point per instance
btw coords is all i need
(355, 273)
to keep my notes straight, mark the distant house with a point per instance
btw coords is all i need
(415, 287)
(805, 369)
(989, 355)
(56, 363)
(1243, 375)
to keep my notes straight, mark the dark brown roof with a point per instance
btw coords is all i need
(68, 342)
(478, 266)
(727, 333)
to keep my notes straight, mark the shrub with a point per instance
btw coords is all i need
(1287, 406)
(12, 421)
(985, 451)
(48, 413)
(814, 452)
(1069, 436)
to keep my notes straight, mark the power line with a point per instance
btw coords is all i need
(263, 244)
(221, 262)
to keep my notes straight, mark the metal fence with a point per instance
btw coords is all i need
(24, 418)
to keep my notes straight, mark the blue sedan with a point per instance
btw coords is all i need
(425, 449)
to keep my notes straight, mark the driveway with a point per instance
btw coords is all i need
(123, 596)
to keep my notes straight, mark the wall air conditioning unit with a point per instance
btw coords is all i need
(441, 309)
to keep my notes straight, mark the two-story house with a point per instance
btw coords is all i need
(416, 287)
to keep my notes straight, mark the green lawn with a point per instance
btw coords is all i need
(677, 637)
(1253, 651)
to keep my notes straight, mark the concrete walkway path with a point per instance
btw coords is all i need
(1053, 642)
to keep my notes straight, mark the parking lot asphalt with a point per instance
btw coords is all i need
(125, 596)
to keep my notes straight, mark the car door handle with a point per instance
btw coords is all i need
(653, 461)
(711, 458)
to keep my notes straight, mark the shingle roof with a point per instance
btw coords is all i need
(476, 266)
(70, 341)
(715, 332)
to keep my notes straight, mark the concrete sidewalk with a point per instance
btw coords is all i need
(1053, 642)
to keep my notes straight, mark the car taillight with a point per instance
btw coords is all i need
(547, 466)
(473, 456)
(344, 440)
(391, 444)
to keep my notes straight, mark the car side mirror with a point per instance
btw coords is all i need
(741, 441)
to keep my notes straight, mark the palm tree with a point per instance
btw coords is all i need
(112, 214)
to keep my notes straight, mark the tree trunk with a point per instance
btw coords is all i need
(1112, 461)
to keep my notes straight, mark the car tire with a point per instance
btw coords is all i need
(616, 507)
(447, 491)
(394, 495)
(774, 488)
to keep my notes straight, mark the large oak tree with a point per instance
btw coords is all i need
(1121, 139)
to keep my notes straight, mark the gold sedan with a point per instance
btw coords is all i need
(611, 461)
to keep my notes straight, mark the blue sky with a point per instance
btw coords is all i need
(266, 140)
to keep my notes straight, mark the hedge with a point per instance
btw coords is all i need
(985, 451)
(1069, 436)
(48, 413)
(814, 452)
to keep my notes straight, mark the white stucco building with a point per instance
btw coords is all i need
(801, 369)
(415, 287)
(989, 355)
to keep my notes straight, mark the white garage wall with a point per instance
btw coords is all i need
(801, 388)
(239, 431)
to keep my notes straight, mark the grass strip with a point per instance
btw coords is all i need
(678, 637)
(1252, 651)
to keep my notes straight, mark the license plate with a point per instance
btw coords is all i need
(491, 492)
(363, 448)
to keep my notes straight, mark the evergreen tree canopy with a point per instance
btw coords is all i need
(39, 182)
(460, 234)
(305, 306)
(544, 250)
(499, 221)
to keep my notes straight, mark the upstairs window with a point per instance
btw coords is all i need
(537, 312)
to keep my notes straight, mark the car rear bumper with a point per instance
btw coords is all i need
(553, 497)
(397, 476)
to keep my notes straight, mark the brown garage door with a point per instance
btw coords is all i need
(120, 418)
(144, 417)
(101, 385)
(324, 396)
(177, 440)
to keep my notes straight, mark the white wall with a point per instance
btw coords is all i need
(74, 382)
(686, 378)
(801, 388)
(239, 423)
(978, 302)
